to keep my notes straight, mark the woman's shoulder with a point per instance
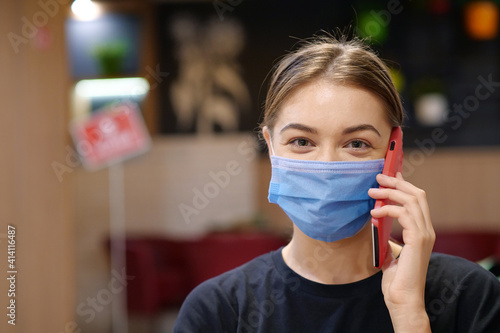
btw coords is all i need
(213, 305)
(447, 270)
(461, 296)
(445, 265)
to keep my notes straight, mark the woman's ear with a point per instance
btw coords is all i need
(267, 136)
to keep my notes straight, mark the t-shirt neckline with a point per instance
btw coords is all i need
(295, 281)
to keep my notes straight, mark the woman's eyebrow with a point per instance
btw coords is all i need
(300, 127)
(362, 127)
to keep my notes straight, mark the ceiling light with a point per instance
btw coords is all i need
(123, 87)
(85, 10)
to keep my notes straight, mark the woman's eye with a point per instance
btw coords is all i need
(358, 144)
(300, 142)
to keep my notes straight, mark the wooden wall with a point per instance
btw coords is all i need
(33, 108)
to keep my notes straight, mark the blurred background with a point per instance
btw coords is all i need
(131, 164)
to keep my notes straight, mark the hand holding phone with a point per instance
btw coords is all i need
(381, 227)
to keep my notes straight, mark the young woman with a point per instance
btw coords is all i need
(329, 112)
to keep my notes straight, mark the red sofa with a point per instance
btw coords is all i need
(166, 270)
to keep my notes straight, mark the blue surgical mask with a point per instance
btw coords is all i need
(327, 201)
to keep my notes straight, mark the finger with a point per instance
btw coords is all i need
(422, 199)
(400, 184)
(395, 195)
(406, 219)
(410, 202)
(386, 181)
(414, 234)
(397, 183)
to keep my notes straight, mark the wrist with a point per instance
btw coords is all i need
(410, 319)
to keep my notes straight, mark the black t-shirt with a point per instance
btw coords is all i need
(265, 295)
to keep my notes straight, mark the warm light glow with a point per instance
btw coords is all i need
(125, 87)
(85, 10)
(481, 19)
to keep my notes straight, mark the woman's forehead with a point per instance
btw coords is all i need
(325, 104)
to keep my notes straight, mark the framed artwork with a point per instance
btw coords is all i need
(219, 54)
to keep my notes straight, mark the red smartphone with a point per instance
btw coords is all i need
(381, 227)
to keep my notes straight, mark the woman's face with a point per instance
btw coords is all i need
(322, 121)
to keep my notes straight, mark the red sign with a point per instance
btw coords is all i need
(110, 135)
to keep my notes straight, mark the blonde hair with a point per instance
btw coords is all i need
(338, 61)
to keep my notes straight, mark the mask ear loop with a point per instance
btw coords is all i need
(271, 143)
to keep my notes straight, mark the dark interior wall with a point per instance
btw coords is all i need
(426, 44)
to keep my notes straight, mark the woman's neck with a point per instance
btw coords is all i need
(345, 261)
